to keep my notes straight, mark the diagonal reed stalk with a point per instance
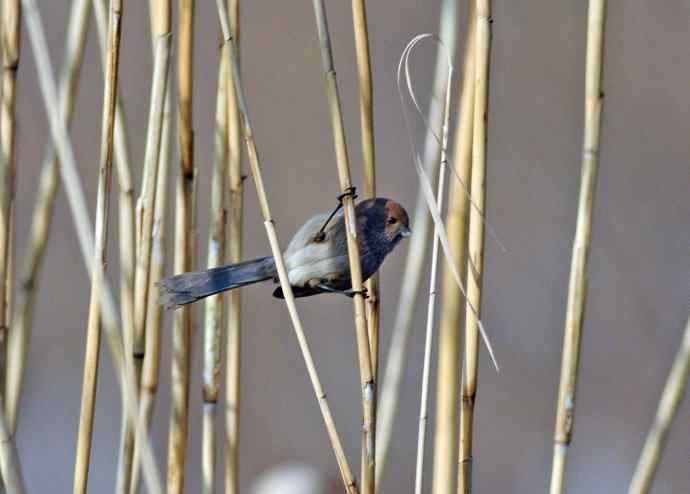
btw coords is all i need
(234, 227)
(577, 285)
(475, 248)
(19, 338)
(448, 366)
(10, 468)
(671, 397)
(213, 333)
(366, 109)
(79, 211)
(184, 250)
(149, 376)
(9, 44)
(93, 336)
(367, 378)
(416, 254)
(160, 36)
(252, 153)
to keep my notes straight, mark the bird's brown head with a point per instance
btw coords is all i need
(397, 223)
(384, 220)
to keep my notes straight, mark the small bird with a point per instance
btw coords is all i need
(316, 258)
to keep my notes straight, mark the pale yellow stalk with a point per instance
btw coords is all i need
(10, 467)
(252, 153)
(213, 333)
(577, 285)
(184, 251)
(40, 224)
(368, 384)
(93, 336)
(671, 397)
(448, 359)
(236, 188)
(9, 45)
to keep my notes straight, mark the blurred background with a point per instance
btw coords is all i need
(639, 267)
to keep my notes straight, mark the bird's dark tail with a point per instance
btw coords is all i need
(189, 287)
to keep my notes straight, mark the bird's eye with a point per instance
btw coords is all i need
(392, 221)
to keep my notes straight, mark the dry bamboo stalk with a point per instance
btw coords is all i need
(9, 41)
(10, 468)
(445, 438)
(160, 37)
(19, 337)
(252, 153)
(80, 215)
(416, 253)
(214, 304)
(475, 248)
(366, 108)
(149, 377)
(93, 337)
(577, 285)
(671, 397)
(363, 348)
(236, 186)
(423, 406)
(184, 251)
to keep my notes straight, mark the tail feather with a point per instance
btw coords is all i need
(186, 288)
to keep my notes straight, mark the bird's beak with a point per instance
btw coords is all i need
(405, 231)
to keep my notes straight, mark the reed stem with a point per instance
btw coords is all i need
(184, 250)
(252, 153)
(368, 384)
(671, 397)
(93, 336)
(10, 467)
(40, 223)
(577, 285)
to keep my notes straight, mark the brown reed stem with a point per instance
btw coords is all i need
(448, 366)
(235, 231)
(102, 207)
(475, 249)
(184, 250)
(252, 153)
(214, 305)
(416, 253)
(363, 348)
(577, 285)
(80, 215)
(9, 44)
(671, 397)
(40, 224)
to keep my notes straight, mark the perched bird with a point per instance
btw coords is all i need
(316, 258)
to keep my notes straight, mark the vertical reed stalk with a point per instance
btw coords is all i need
(9, 41)
(416, 252)
(40, 224)
(431, 308)
(577, 286)
(94, 331)
(363, 348)
(252, 153)
(448, 367)
(671, 397)
(10, 468)
(184, 250)
(235, 180)
(80, 215)
(366, 108)
(149, 377)
(136, 348)
(214, 305)
(475, 249)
